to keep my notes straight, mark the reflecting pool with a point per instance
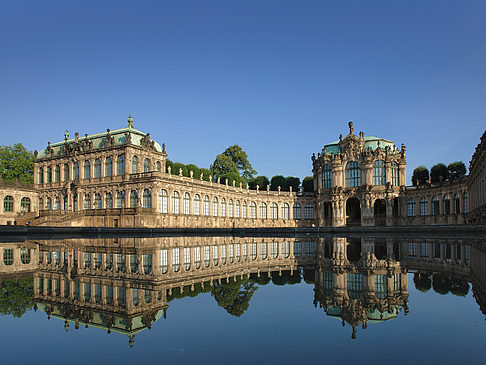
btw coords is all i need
(243, 300)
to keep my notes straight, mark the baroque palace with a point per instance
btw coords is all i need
(119, 179)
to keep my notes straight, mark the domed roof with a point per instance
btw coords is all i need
(371, 143)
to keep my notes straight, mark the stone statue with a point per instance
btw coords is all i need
(130, 121)
(66, 135)
(350, 125)
(163, 147)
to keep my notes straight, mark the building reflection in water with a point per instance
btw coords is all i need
(124, 285)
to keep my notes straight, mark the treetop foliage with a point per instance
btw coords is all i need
(16, 162)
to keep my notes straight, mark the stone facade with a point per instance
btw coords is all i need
(358, 181)
(19, 202)
(477, 183)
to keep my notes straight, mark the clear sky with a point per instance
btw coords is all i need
(279, 78)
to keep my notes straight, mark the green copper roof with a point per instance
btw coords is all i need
(371, 143)
(98, 140)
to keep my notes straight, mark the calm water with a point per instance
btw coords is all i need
(243, 300)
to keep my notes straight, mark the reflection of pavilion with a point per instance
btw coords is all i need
(361, 281)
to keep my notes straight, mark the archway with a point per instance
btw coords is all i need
(353, 249)
(353, 212)
(380, 212)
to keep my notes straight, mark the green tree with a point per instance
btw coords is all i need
(179, 165)
(16, 162)
(278, 180)
(240, 158)
(16, 296)
(420, 174)
(456, 170)
(261, 181)
(222, 166)
(437, 171)
(196, 171)
(206, 173)
(308, 184)
(422, 282)
(293, 182)
(169, 163)
(234, 296)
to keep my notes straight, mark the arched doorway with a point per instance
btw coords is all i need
(353, 249)
(380, 212)
(353, 212)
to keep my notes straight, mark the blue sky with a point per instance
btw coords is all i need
(280, 78)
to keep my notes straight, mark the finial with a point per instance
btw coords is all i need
(130, 121)
(350, 124)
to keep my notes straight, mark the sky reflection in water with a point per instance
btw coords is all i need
(368, 283)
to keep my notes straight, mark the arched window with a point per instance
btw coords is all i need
(163, 201)
(186, 203)
(435, 206)
(395, 177)
(215, 207)
(273, 211)
(41, 204)
(230, 208)
(98, 201)
(41, 175)
(159, 167)
(285, 211)
(120, 165)
(237, 209)
(326, 177)
(87, 201)
(65, 203)
(352, 174)
(87, 169)
(297, 211)
(98, 168)
(133, 199)
(134, 164)
(48, 203)
(223, 207)
(49, 174)
(108, 166)
(120, 199)
(263, 210)
(424, 207)
(108, 201)
(252, 210)
(25, 205)
(411, 208)
(175, 203)
(147, 198)
(465, 204)
(76, 171)
(457, 204)
(8, 256)
(146, 165)
(243, 210)
(8, 204)
(253, 250)
(25, 255)
(57, 174)
(446, 205)
(379, 173)
(309, 211)
(66, 172)
(206, 206)
(274, 250)
(263, 250)
(197, 204)
(57, 203)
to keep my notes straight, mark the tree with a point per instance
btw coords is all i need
(420, 174)
(16, 296)
(308, 184)
(456, 170)
(206, 173)
(16, 162)
(293, 182)
(179, 165)
(169, 163)
(422, 282)
(240, 158)
(222, 166)
(278, 180)
(437, 171)
(196, 171)
(234, 296)
(261, 181)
